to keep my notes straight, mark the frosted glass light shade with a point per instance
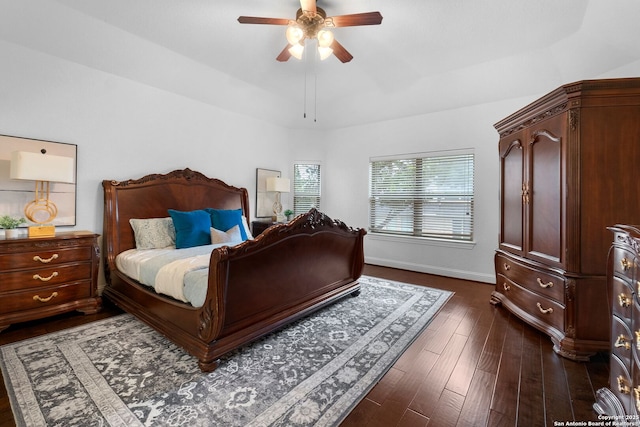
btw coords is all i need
(41, 167)
(296, 50)
(280, 185)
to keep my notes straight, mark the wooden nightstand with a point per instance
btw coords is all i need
(258, 227)
(40, 277)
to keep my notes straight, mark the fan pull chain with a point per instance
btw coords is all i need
(304, 109)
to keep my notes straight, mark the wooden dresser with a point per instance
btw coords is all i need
(40, 277)
(568, 163)
(623, 280)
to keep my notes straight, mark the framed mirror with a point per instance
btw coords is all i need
(264, 200)
(16, 194)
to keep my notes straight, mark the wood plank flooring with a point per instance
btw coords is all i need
(474, 365)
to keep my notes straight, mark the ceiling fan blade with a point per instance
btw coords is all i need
(340, 52)
(258, 20)
(355, 19)
(308, 6)
(284, 55)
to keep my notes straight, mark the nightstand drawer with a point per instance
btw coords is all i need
(40, 277)
(44, 297)
(42, 258)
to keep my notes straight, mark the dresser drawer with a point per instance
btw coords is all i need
(48, 257)
(44, 297)
(540, 282)
(625, 263)
(623, 300)
(620, 384)
(544, 309)
(43, 277)
(622, 340)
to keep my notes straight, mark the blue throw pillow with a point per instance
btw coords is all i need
(192, 228)
(224, 219)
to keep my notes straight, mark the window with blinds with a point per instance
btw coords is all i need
(306, 187)
(429, 195)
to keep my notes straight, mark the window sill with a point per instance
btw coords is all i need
(422, 241)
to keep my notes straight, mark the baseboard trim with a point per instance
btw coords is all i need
(431, 269)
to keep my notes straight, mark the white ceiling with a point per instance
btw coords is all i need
(427, 55)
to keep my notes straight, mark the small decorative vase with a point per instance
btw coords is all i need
(11, 233)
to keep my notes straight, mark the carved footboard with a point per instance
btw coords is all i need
(286, 273)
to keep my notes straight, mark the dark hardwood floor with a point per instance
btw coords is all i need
(474, 365)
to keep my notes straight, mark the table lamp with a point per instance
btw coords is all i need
(42, 168)
(278, 185)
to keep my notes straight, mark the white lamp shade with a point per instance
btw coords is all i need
(41, 167)
(280, 185)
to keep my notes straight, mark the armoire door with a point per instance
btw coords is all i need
(512, 195)
(544, 235)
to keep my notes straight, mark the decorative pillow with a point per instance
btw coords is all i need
(224, 219)
(247, 230)
(232, 235)
(153, 233)
(192, 228)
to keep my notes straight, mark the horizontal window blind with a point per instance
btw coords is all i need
(306, 187)
(424, 196)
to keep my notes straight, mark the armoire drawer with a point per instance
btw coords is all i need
(544, 309)
(540, 282)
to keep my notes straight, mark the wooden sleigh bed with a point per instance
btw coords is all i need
(253, 288)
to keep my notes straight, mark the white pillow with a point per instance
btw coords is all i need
(153, 233)
(231, 236)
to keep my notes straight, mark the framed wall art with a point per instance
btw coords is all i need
(16, 194)
(264, 199)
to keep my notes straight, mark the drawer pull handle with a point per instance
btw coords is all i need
(625, 264)
(506, 287)
(622, 386)
(39, 298)
(624, 300)
(47, 260)
(636, 395)
(45, 279)
(506, 266)
(544, 285)
(544, 310)
(622, 341)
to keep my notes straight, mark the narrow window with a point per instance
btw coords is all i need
(306, 187)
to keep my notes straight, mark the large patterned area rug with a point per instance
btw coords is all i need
(119, 372)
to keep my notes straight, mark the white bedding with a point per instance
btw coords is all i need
(179, 273)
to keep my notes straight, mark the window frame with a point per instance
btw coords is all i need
(297, 194)
(412, 181)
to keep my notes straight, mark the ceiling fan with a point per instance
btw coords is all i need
(312, 23)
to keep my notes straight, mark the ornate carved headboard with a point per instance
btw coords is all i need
(151, 197)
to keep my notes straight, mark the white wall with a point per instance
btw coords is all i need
(348, 154)
(126, 130)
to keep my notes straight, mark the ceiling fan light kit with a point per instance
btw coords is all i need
(311, 23)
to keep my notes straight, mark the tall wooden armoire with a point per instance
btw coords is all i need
(569, 168)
